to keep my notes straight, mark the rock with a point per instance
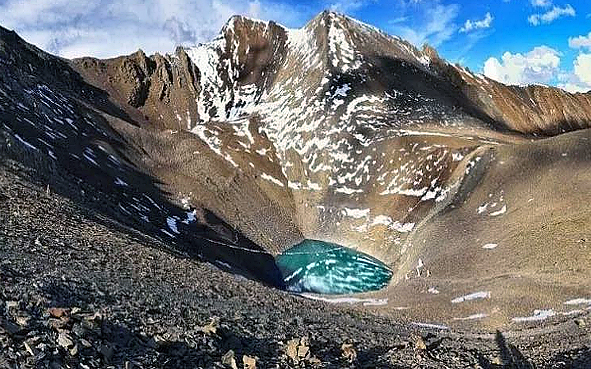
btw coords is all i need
(57, 312)
(42, 347)
(212, 327)
(156, 342)
(74, 350)
(64, 340)
(96, 317)
(497, 360)
(304, 348)
(107, 352)
(79, 330)
(10, 327)
(85, 343)
(580, 322)
(23, 321)
(314, 361)
(249, 362)
(229, 359)
(303, 351)
(297, 349)
(58, 324)
(349, 352)
(29, 349)
(11, 305)
(291, 350)
(418, 342)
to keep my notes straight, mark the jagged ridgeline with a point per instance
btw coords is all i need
(238, 149)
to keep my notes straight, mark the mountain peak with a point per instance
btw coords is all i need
(328, 18)
(242, 19)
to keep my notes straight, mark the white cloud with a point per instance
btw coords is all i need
(579, 79)
(580, 42)
(541, 3)
(540, 65)
(106, 28)
(551, 15)
(582, 68)
(429, 22)
(478, 24)
(574, 87)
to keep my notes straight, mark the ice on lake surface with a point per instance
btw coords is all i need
(328, 268)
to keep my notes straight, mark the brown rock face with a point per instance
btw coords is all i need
(163, 90)
(151, 89)
(533, 109)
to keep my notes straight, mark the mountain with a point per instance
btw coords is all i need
(473, 193)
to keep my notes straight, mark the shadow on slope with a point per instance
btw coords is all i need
(209, 239)
(55, 123)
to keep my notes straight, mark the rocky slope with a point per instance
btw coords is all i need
(79, 290)
(474, 193)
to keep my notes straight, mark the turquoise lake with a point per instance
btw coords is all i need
(328, 268)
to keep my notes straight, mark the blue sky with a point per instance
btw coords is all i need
(513, 41)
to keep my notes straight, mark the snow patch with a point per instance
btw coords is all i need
(347, 300)
(500, 212)
(120, 182)
(430, 325)
(538, 316)
(356, 213)
(172, 224)
(473, 317)
(270, 178)
(578, 301)
(472, 296)
(27, 144)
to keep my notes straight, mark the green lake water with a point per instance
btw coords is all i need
(328, 268)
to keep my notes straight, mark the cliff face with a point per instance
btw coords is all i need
(176, 92)
(237, 149)
(147, 88)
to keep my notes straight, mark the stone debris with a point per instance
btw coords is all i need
(249, 362)
(76, 305)
(418, 342)
(64, 340)
(211, 327)
(57, 312)
(229, 359)
(349, 352)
